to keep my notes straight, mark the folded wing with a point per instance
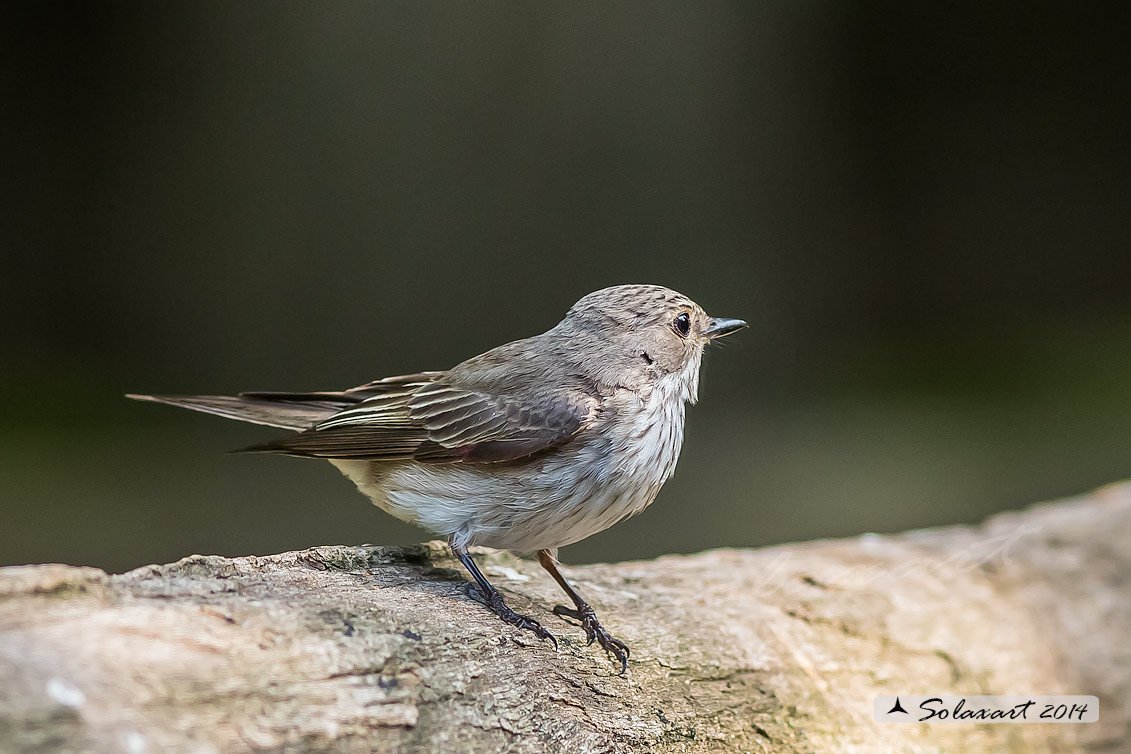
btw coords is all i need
(436, 422)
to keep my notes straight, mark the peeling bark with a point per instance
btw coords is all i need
(780, 649)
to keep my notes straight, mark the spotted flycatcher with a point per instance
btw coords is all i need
(530, 446)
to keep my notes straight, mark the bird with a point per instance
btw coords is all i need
(530, 446)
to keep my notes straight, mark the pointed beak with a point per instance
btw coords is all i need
(720, 327)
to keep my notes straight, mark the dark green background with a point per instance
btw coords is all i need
(922, 211)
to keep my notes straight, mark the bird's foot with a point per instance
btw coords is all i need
(596, 632)
(494, 602)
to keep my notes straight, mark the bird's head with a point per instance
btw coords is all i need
(640, 334)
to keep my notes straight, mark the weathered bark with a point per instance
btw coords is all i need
(779, 649)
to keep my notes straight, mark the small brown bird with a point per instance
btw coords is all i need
(530, 446)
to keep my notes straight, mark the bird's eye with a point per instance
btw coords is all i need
(682, 324)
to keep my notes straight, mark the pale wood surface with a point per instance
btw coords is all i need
(780, 649)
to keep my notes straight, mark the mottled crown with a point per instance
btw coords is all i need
(630, 306)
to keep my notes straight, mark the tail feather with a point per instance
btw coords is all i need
(277, 412)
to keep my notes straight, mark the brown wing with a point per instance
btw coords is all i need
(474, 427)
(436, 422)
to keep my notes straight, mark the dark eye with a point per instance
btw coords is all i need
(682, 324)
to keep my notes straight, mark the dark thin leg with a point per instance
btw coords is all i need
(584, 613)
(483, 592)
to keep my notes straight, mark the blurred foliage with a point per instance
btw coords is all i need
(922, 211)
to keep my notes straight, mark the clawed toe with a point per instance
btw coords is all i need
(494, 601)
(615, 647)
(568, 612)
(594, 631)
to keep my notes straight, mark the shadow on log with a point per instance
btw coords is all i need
(772, 650)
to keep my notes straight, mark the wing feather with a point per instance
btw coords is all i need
(435, 422)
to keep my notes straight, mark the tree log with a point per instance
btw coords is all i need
(780, 649)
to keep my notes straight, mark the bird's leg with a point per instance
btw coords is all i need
(482, 591)
(584, 613)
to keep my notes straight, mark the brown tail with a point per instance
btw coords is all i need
(275, 411)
